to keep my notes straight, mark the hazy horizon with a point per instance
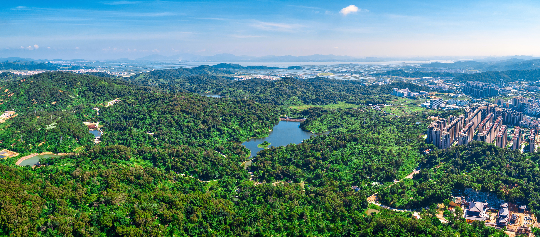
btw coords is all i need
(135, 29)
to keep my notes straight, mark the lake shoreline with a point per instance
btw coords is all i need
(282, 134)
(20, 160)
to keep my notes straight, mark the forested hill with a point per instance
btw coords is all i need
(30, 65)
(187, 79)
(511, 175)
(171, 163)
(510, 64)
(286, 91)
(317, 91)
(6, 76)
(58, 90)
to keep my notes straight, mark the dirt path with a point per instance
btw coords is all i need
(374, 199)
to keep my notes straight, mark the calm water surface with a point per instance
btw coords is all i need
(34, 160)
(283, 134)
(96, 133)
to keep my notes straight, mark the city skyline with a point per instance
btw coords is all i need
(135, 29)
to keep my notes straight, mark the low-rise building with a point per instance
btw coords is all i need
(504, 214)
(476, 211)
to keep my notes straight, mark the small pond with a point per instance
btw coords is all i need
(96, 133)
(282, 134)
(34, 160)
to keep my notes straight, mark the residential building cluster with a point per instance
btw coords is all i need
(480, 89)
(485, 123)
(436, 103)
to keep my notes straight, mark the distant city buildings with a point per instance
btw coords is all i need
(516, 139)
(532, 141)
(480, 89)
(435, 103)
(407, 93)
(458, 102)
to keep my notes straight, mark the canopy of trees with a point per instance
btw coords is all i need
(171, 162)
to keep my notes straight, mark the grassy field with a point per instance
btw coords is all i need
(325, 74)
(404, 106)
(400, 106)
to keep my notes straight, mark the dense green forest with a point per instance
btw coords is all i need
(192, 133)
(106, 192)
(59, 132)
(53, 91)
(363, 147)
(288, 91)
(512, 175)
(171, 163)
(6, 76)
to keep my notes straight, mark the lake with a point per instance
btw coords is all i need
(282, 134)
(34, 160)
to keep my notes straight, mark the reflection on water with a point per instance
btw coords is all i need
(282, 134)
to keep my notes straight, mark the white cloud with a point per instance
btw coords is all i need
(246, 36)
(271, 26)
(348, 10)
(36, 46)
(20, 8)
(212, 18)
(146, 14)
(306, 7)
(122, 2)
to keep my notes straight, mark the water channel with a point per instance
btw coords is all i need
(34, 160)
(282, 134)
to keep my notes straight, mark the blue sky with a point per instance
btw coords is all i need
(384, 28)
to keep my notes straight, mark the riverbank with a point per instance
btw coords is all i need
(292, 119)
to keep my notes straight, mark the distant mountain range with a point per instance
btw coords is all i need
(316, 58)
(482, 64)
(269, 58)
(502, 65)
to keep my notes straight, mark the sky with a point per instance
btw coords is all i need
(383, 28)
